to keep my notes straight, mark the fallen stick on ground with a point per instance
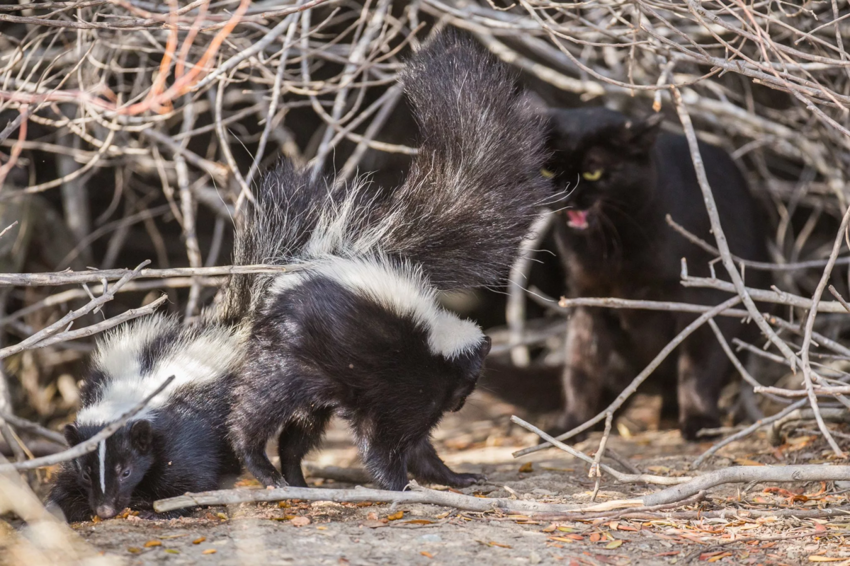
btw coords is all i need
(729, 514)
(415, 494)
(746, 474)
(89, 445)
(676, 494)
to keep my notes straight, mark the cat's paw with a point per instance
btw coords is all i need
(692, 424)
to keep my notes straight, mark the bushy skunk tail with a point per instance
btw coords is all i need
(471, 194)
(475, 187)
(274, 231)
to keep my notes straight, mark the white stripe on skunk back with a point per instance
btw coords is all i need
(193, 356)
(400, 288)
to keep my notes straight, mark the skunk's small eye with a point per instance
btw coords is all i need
(592, 175)
(126, 473)
(86, 476)
(547, 174)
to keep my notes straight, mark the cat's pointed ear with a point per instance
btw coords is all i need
(642, 134)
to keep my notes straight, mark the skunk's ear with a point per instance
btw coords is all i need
(641, 135)
(141, 435)
(484, 348)
(72, 434)
(478, 356)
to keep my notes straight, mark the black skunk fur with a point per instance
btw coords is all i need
(625, 176)
(357, 330)
(178, 443)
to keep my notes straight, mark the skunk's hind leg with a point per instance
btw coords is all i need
(298, 437)
(252, 453)
(250, 428)
(427, 466)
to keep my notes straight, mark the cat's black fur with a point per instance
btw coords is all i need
(615, 242)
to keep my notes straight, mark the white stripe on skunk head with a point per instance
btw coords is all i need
(400, 288)
(194, 356)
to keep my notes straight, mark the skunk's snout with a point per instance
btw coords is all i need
(106, 511)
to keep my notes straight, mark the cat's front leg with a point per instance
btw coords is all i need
(588, 350)
(703, 371)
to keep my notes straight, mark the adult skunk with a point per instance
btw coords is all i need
(357, 329)
(177, 443)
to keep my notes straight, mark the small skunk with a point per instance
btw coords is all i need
(177, 443)
(357, 330)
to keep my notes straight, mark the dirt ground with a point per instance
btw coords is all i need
(481, 439)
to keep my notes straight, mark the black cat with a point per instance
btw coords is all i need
(624, 176)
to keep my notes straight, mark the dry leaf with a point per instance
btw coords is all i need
(152, 543)
(172, 551)
(419, 522)
(747, 462)
(396, 516)
(221, 516)
(562, 539)
(500, 545)
(526, 468)
(199, 540)
(549, 528)
(826, 559)
(595, 537)
(426, 554)
(720, 556)
(134, 550)
(372, 516)
(96, 520)
(614, 544)
(209, 551)
(300, 521)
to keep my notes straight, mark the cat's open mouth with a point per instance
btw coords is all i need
(577, 219)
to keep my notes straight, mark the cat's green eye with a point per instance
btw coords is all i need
(546, 173)
(592, 175)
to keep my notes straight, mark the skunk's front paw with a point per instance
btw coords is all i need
(154, 516)
(466, 480)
